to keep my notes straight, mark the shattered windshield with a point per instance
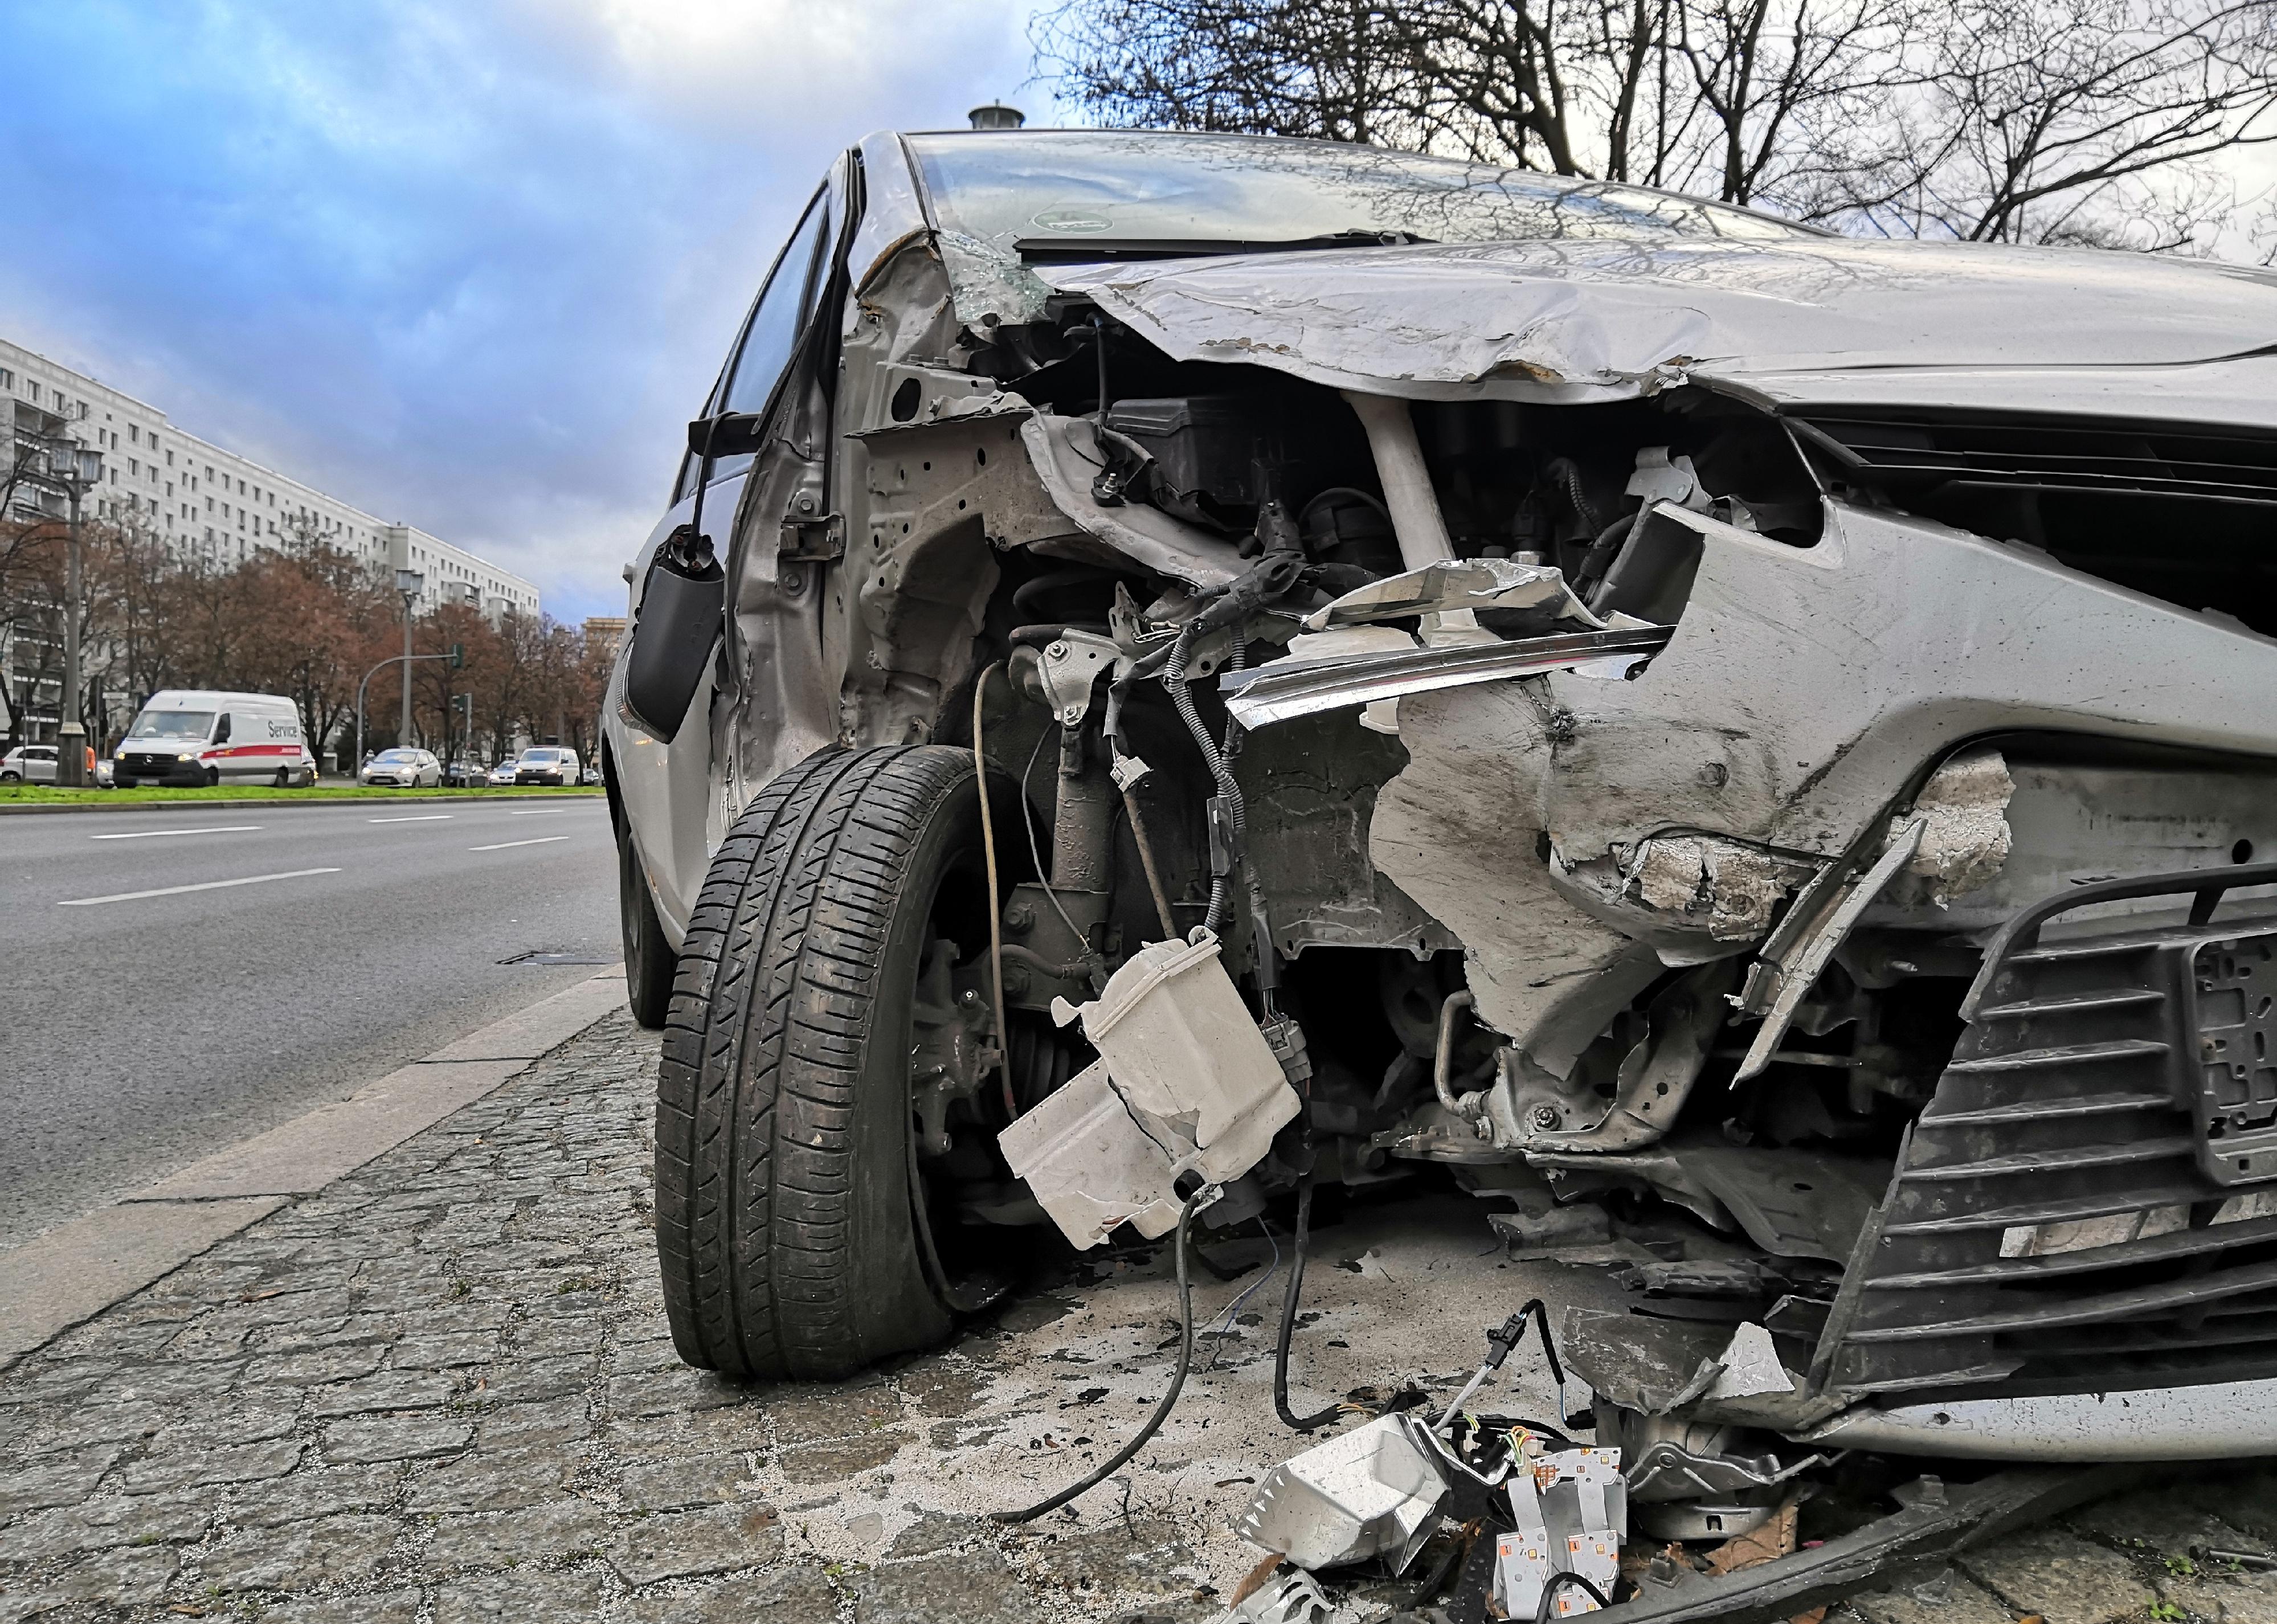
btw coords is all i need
(1052, 193)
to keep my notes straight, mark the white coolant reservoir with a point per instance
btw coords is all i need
(1186, 1055)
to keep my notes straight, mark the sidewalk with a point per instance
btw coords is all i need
(441, 1390)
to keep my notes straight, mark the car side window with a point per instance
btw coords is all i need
(221, 729)
(771, 333)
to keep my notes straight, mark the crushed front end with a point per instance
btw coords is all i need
(1789, 846)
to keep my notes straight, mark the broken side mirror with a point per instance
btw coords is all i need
(681, 615)
(728, 434)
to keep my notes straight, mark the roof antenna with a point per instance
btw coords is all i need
(997, 116)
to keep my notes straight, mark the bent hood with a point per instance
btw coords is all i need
(1817, 320)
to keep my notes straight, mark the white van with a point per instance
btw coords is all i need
(196, 735)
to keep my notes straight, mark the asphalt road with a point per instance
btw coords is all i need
(175, 980)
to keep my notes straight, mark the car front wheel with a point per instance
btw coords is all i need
(826, 1011)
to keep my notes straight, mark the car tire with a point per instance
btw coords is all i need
(791, 1220)
(650, 962)
(284, 778)
(11, 778)
(122, 783)
(213, 777)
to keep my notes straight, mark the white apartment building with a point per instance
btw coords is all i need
(208, 502)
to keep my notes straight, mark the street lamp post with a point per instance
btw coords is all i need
(408, 582)
(74, 466)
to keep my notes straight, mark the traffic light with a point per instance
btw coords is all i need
(458, 655)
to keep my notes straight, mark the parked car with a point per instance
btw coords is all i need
(405, 768)
(461, 773)
(546, 764)
(28, 763)
(185, 735)
(501, 777)
(1741, 729)
(590, 774)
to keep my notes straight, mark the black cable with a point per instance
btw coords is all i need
(1289, 1418)
(1169, 1400)
(1599, 556)
(1174, 678)
(1545, 1609)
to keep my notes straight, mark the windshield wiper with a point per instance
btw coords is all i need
(1064, 249)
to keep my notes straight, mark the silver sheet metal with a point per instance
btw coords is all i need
(1374, 1491)
(1286, 689)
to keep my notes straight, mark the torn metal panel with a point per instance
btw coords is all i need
(1066, 458)
(1534, 596)
(1460, 831)
(1804, 686)
(1286, 688)
(1649, 1089)
(1574, 321)
(1373, 1491)
(1822, 920)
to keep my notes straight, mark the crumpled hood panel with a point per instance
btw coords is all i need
(1592, 319)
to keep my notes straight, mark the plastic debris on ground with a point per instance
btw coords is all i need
(1374, 1491)
(1571, 1508)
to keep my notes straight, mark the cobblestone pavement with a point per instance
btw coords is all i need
(442, 1391)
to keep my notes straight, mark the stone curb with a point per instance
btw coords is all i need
(78, 1269)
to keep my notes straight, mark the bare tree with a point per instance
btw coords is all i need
(2090, 121)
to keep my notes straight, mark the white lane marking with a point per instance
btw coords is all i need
(502, 845)
(540, 812)
(177, 890)
(227, 828)
(419, 817)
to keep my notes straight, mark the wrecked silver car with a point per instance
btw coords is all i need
(1751, 749)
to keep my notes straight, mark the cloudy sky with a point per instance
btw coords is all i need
(467, 265)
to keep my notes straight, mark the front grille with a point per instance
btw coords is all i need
(1918, 453)
(153, 764)
(2081, 1203)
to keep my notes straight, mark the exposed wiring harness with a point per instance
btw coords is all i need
(1500, 1341)
(1546, 1609)
(1228, 803)
(1194, 1203)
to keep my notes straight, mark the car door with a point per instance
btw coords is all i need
(666, 786)
(39, 764)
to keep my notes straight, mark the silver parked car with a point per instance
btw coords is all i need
(403, 768)
(1654, 711)
(29, 764)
